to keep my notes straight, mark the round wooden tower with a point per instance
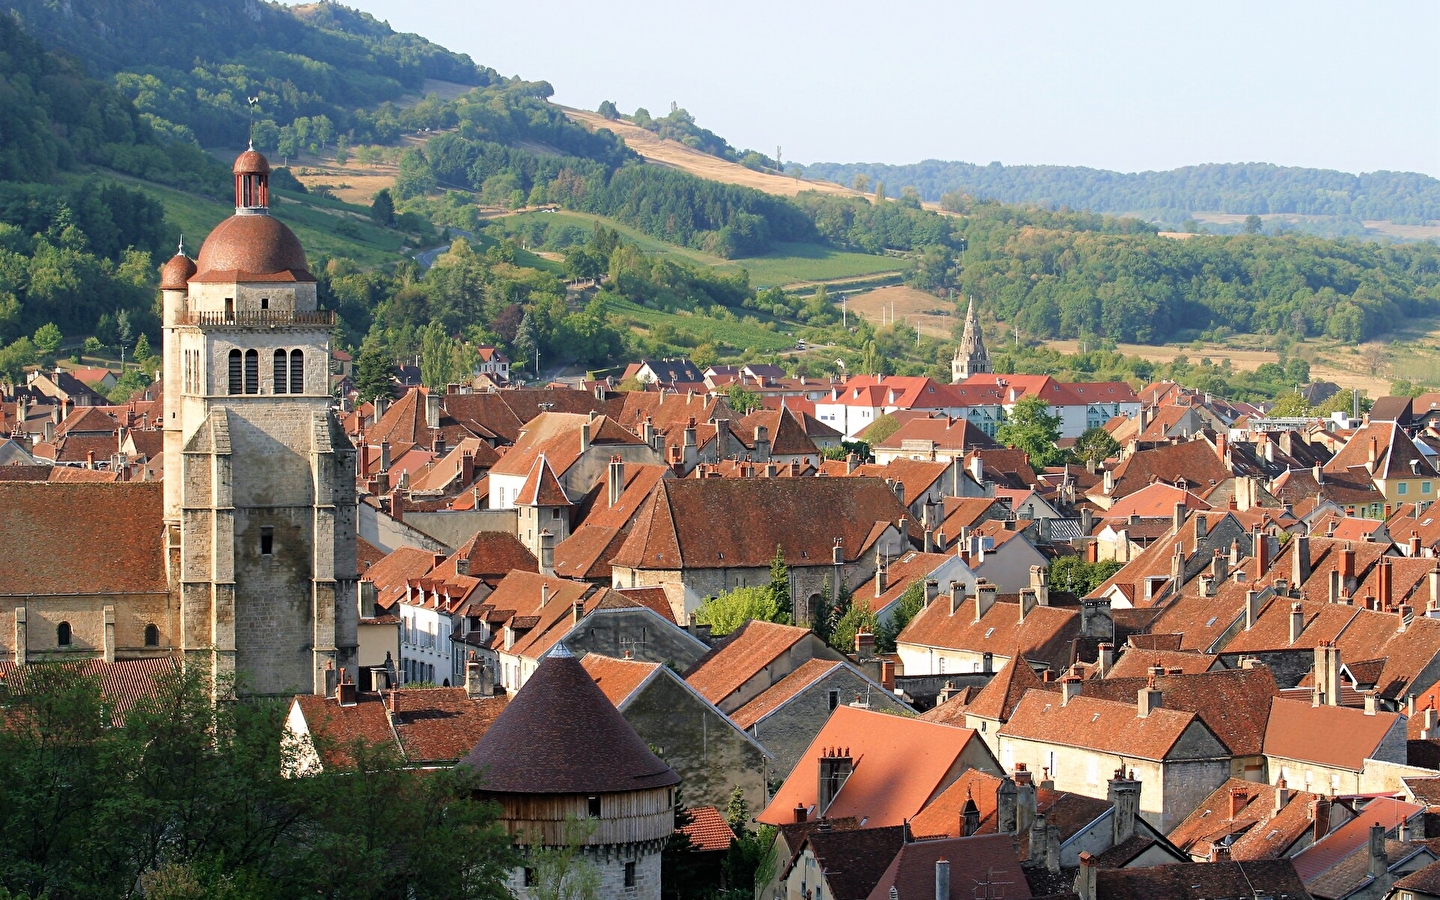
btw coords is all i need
(561, 757)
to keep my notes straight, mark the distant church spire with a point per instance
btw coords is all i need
(970, 357)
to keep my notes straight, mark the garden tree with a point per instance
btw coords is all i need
(857, 618)
(731, 609)
(437, 357)
(1075, 575)
(47, 339)
(1291, 403)
(910, 603)
(1095, 446)
(382, 208)
(187, 799)
(1030, 427)
(741, 400)
(779, 585)
(681, 875)
(526, 344)
(142, 348)
(129, 382)
(92, 344)
(372, 372)
(14, 358)
(748, 864)
(564, 872)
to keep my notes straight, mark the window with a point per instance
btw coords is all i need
(529, 877)
(592, 807)
(1425, 487)
(834, 699)
(264, 302)
(235, 372)
(267, 540)
(555, 513)
(62, 634)
(230, 309)
(297, 372)
(152, 636)
(942, 665)
(281, 368)
(252, 372)
(629, 874)
(1404, 489)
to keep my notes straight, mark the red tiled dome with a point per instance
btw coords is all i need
(175, 273)
(255, 245)
(252, 162)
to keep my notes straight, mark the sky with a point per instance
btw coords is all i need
(1115, 85)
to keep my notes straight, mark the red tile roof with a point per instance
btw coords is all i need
(912, 872)
(541, 487)
(741, 656)
(1102, 725)
(123, 682)
(900, 765)
(1334, 736)
(618, 678)
(45, 527)
(708, 831)
(1319, 857)
(782, 691)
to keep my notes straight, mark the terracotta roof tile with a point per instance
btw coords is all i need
(1334, 736)
(45, 525)
(618, 678)
(912, 872)
(1066, 811)
(1202, 881)
(1043, 636)
(708, 831)
(1135, 663)
(1103, 725)
(442, 724)
(900, 765)
(1320, 857)
(998, 699)
(541, 487)
(741, 656)
(1257, 832)
(775, 696)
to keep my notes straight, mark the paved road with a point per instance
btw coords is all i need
(426, 258)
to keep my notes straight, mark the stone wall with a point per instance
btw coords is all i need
(789, 730)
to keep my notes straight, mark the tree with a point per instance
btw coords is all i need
(142, 348)
(1291, 403)
(730, 610)
(910, 603)
(382, 209)
(1075, 575)
(857, 618)
(861, 182)
(1030, 427)
(373, 375)
(608, 110)
(527, 344)
(741, 400)
(15, 358)
(1253, 224)
(414, 177)
(1095, 446)
(437, 357)
(47, 339)
(565, 872)
(779, 586)
(124, 333)
(881, 430)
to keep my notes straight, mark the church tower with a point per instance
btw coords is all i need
(970, 356)
(259, 476)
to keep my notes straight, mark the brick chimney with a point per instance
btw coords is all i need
(835, 768)
(1239, 799)
(1347, 569)
(1125, 798)
(1320, 816)
(1149, 699)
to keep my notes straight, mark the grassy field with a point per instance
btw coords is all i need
(325, 228)
(727, 336)
(787, 264)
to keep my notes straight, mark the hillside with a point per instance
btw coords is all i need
(1169, 197)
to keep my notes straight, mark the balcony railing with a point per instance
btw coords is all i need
(259, 317)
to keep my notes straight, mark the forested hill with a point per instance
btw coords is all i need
(1167, 197)
(190, 67)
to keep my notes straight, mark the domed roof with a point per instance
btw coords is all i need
(253, 248)
(175, 273)
(562, 735)
(252, 162)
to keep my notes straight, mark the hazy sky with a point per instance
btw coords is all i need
(1119, 85)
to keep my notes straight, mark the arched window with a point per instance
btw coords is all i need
(297, 372)
(235, 372)
(152, 636)
(62, 634)
(252, 372)
(280, 369)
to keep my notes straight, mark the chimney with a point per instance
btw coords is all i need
(1332, 592)
(1006, 798)
(1040, 583)
(584, 436)
(977, 469)
(985, 593)
(1220, 566)
(1370, 706)
(1260, 547)
(1252, 608)
(379, 404)
(942, 879)
(1379, 863)
(799, 813)
(1347, 569)
(957, 598)
(1300, 561)
(1429, 720)
(1024, 798)
(932, 590)
(1087, 521)
(1149, 699)
(1125, 798)
(1332, 672)
(1297, 621)
(1106, 658)
(616, 482)
(882, 574)
(762, 443)
(1027, 602)
(887, 674)
(1373, 455)
(1239, 797)
(432, 410)
(1282, 795)
(467, 467)
(1178, 519)
(835, 767)
(1108, 485)
(1320, 815)
(864, 645)
(478, 683)
(547, 553)
(462, 565)
(1070, 687)
(384, 456)
(1085, 879)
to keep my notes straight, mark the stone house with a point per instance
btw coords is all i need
(712, 755)
(1079, 741)
(786, 716)
(700, 537)
(1326, 749)
(577, 449)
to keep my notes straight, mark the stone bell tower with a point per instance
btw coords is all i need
(971, 358)
(259, 476)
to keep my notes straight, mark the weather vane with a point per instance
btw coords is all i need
(252, 102)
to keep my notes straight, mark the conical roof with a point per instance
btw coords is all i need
(561, 735)
(541, 487)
